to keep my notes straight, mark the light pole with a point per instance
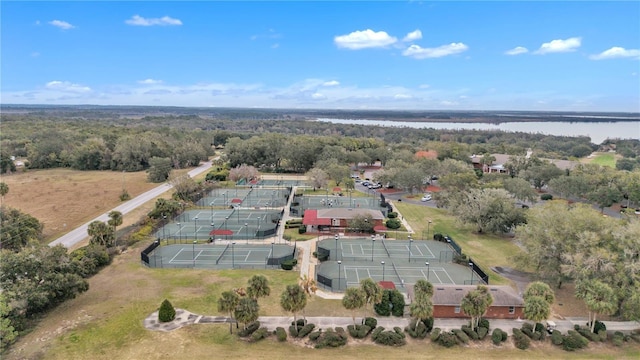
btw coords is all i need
(180, 232)
(382, 263)
(428, 226)
(373, 245)
(211, 204)
(339, 263)
(194, 253)
(164, 222)
(427, 263)
(272, 243)
(195, 226)
(246, 231)
(225, 199)
(212, 233)
(336, 238)
(471, 267)
(410, 243)
(233, 256)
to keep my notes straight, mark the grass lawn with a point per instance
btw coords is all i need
(605, 159)
(486, 250)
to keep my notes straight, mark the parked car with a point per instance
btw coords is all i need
(426, 197)
(365, 183)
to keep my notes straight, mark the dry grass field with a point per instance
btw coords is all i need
(62, 199)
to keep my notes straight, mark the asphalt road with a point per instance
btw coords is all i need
(80, 233)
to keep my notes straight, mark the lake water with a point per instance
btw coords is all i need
(597, 131)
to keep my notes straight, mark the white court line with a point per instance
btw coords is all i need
(436, 274)
(447, 273)
(178, 253)
(196, 257)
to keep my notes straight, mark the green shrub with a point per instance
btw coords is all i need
(358, 331)
(447, 339)
(393, 224)
(399, 331)
(250, 329)
(167, 312)
(293, 331)
(602, 334)
(332, 339)
(556, 337)
(306, 330)
(371, 322)
(588, 334)
(390, 338)
(521, 340)
(470, 333)
(302, 229)
(124, 195)
(527, 329)
(259, 334)
(314, 336)
(417, 329)
(546, 197)
(461, 335)
(429, 324)
(484, 323)
(288, 264)
(281, 334)
(599, 326)
(482, 332)
(618, 338)
(397, 303)
(392, 303)
(392, 215)
(496, 336)
(376, 332)
(435, 334)
(573, 340)
(438, 237)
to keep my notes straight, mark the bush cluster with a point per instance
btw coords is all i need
(393, 298)
(288, 264)
(281, 334)
(438, 237)
(435, 334)
(259, 334)
(573, 341)
(461, 336)
(498, 336)
(358, 331)
(556, 337)
(250, 329)
(167, 312)
(521, 340)
(546, 197)
(587, 333)
(536, 333)
(419, 329)
(392, 215)
(447, 339)
(331, 338)
(393, 223)
(388, 337)
(482, 332)
(305, 330)
(618, 338)
(599, 326)
(88, 260)
(470, 333)
(371, 322)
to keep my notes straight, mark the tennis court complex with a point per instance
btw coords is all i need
(234, 224)
(246, 198)
(222, 255)
(402, 262)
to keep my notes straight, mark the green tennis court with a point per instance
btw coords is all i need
(376, 249)
(246, 198)
(221, 255)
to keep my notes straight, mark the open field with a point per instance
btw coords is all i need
(486, 250)
(604, 159)
(63, 199)
(106, 323)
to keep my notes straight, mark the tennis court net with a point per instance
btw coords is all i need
(221, 255)
(397, 274)
(385, 248)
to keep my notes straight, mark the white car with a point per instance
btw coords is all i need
(426, 197)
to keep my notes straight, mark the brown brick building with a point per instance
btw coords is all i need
(335, 219)
(447, 299)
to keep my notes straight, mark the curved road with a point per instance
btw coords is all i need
(80, 233)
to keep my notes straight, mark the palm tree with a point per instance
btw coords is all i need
(421, 307)
(372, 293)
(600, 300)
(539, 288)
(4, 190)
(424, 287)
(227, 303)
(309, 286)
(476, 303)
(247, 311)
(100, 233)
(258, 287)
(536, 308)
(293, 299)
(115, 220)
(354, 299)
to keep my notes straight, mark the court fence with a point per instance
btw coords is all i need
(458, 249)
(144, 255)
(276, 261)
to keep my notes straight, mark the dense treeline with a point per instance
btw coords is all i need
(49, 140)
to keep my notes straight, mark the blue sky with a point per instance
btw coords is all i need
(566, 56)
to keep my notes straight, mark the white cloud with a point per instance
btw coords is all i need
(137, 20)
(402, 96)
(331, 83)
(364, 39)
(414, 35)
(417, 52)
(560, 46)
(517, 51)
(66, 86)
(149, 82)
(317, 96)
(616, 52)
(424, 86)
(448, 103)
(60, 24)
(38, 22)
